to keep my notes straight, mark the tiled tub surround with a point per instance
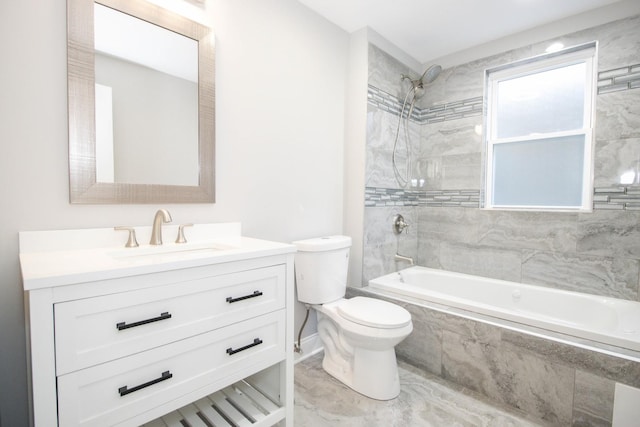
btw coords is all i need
(597, 253)
(556, 378)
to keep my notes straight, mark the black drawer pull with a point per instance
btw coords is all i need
(123, 325)
(125, 390)
(256, 341)
(253, 295)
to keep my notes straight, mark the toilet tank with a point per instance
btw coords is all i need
(321, 266)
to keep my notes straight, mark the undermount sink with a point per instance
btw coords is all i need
(168, 249)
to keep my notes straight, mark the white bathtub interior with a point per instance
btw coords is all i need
(604, 320)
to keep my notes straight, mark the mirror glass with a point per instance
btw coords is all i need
(141, 104)
(146, 102)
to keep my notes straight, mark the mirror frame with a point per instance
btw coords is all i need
(83, 187)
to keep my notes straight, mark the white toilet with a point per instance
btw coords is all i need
(359, 334)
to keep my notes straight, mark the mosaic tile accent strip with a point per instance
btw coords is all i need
(438, 113)
(617, 198)
(623, 78)
(452, 198)
(452, 111)
(390, 103)
(378, 197)
(604, 198)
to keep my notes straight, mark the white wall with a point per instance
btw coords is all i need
(280, 85)
(355, 150)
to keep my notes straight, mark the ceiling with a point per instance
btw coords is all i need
(431, 29)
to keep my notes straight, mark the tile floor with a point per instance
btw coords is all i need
(425, 400)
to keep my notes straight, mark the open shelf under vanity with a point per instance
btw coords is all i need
(238, 405)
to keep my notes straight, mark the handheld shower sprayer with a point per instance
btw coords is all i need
(415, 92)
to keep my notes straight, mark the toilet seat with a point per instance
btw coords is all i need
(373, 313)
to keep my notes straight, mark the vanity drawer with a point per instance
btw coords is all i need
(116, 391)
(96, 330)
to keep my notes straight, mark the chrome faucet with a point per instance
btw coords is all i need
(161, 217)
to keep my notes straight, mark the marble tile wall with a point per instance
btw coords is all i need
(381, 243)
(558, 383)
(596, 252)
(382, 128)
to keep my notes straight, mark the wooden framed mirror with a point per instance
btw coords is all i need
(159, 138)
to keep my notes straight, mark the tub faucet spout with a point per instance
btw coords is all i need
(399, 257)
(161, 217)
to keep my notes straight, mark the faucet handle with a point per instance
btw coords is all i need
(399, 225)
(132, 242)
(181, 238)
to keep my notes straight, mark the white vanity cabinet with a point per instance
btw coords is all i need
(168, 340)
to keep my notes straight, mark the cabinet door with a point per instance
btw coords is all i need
(113, 392)
(96, 330)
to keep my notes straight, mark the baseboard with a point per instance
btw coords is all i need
(310, 345)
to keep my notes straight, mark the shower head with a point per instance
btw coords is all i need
(430, 74)
(427, 77)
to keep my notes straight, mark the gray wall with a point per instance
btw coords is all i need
(273, 175)
(596, 252)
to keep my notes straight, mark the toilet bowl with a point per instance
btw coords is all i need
(359, 335)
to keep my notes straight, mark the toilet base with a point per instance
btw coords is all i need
(374, 374)
(370, 372)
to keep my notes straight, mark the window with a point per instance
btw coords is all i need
(539, 132)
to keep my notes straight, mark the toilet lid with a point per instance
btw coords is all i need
(374, 312)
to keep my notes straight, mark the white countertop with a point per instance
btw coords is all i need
(65, 257)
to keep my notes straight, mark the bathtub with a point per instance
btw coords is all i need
(605, 320)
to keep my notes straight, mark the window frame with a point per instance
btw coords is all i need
(586, 53)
